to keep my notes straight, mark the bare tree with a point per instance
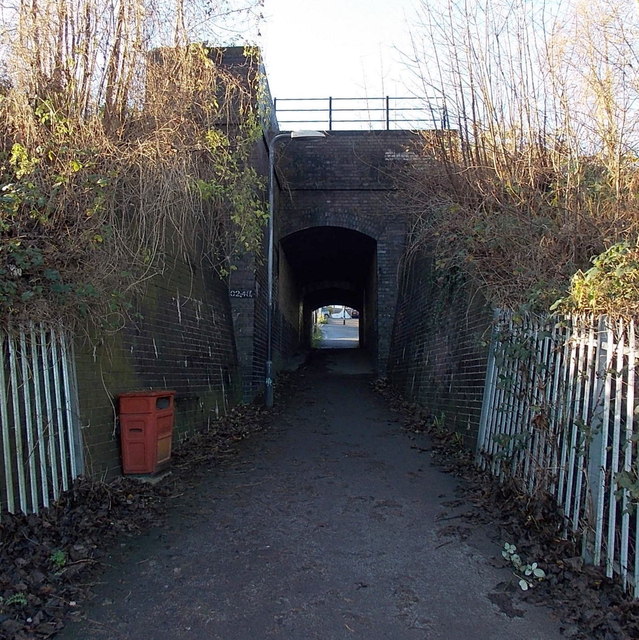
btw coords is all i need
(544, 100)
(125, 141)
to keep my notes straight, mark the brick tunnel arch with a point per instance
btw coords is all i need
(344, 183)
(329, 264)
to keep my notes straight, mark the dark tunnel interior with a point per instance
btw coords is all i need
(329, 265)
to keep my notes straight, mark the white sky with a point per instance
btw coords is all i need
(338, 48)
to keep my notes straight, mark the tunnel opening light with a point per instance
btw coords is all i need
(335, 326)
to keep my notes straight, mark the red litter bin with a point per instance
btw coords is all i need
(146, 430)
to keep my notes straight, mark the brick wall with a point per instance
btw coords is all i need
(249, 313)
(181, 339)
(288, 325)
(438, 352)
(348, 180)
(368, 319)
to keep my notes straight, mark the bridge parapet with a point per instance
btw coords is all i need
(346, 161)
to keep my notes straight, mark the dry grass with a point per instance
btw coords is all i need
(117, 152)
(543, 173)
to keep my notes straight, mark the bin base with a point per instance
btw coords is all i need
(149, 478)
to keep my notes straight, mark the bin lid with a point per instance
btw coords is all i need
(146, 394)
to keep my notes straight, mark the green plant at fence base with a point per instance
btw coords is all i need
(15, 600)
(439, 427)
(526, 574)
(511, 443)
(456, 439)
(58, 559)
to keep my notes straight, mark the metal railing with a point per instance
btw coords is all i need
(559, 415)
(384, 113)
(39, 434)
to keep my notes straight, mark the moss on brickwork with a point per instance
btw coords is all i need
(104, 370)
(181, 339)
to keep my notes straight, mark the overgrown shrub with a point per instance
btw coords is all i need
(610, 285)
(540, 173)
(121, 143)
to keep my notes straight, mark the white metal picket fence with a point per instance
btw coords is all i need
(559, 415)
(39, 436)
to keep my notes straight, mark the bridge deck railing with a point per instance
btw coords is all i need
(382, 113)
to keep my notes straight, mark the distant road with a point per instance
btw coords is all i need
(337, 335)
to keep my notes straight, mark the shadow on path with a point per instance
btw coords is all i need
(330, 526)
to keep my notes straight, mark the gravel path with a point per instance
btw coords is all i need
(331, 525)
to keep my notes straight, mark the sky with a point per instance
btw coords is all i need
(338, 48)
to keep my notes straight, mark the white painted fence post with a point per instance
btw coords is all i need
(488, 396)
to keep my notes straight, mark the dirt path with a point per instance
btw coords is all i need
(330, 526)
